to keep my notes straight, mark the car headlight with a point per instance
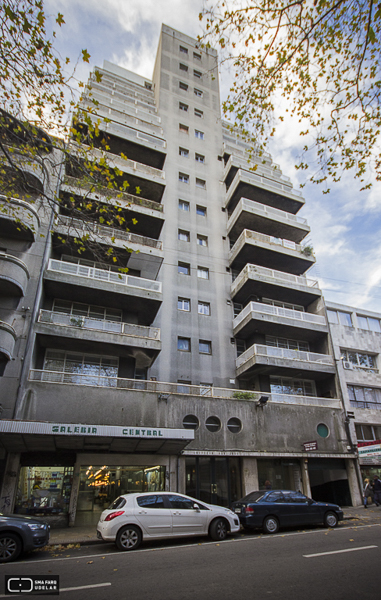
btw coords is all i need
(36, 526)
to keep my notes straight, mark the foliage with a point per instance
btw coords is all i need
(243, 395)
(320, 62)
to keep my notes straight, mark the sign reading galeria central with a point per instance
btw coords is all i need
(93, 430)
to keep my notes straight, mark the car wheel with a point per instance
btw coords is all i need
(128, 538)
(330, 519)
(218, 530)
(10, 547)
(270, 525)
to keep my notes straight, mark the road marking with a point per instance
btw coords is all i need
(74, 589)
(338, 551)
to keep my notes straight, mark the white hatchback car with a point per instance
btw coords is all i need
(135, 517)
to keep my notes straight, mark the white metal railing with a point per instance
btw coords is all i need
(247, 204)
(267, 169)
(82, 322)
(254, 271)
(123, 163)
(247, 234)
(111, 232)
(278, 311)
(160, 387)
(285, 353)
(267, 182)
(103, 275)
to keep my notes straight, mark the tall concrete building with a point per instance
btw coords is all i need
(208, 367)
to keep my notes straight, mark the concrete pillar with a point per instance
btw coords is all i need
(353, 482)
(9, 487)
(74, 494)
(305, 477)
(249, 475)
(175, 474)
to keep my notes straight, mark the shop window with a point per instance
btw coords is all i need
(44, 490)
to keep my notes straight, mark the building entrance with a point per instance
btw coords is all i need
(215, 480)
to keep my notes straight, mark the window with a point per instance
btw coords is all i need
(237, 307)
(234, 425)
(82, 369)
(196, 56)
(201, 183)
(241, 346)
(183, 86)
(86, 311)
(147, 85)
(285, 343)
(369, 323)
(151, 501)
(183, 50)
(183, 268)
(204, 347)
(359, 360)
(191, 422)
(183, 177)
(201, 211)
(338, 317)
(213, 424)
(183, 128)
(293, 387)
(183, 67)
(184, 236)
(184, 152)
(199, 134)
(322, 430)
(197, 93)
(198, 113)
(183, 304)
(364, 397)
(203, 308)
(183, 386)
(202, 240)
(183, 344)
(197, 74)
(270, 302)
(368, 433)
(183, 106)
(184, 205)
(181, 503)
(200, 158)
(203, 272)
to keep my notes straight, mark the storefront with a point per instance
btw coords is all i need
(370, 459)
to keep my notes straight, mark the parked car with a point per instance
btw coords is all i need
(132, 518)
(273, 509)
(20, 533)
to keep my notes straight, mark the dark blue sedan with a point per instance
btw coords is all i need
(273, 509)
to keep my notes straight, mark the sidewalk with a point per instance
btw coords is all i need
(88, 535)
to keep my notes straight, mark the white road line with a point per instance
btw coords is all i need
(73, 589)
(338, 551)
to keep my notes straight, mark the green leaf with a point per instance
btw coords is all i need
(85, 56)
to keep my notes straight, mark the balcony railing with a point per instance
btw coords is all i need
(281, 276)
(160, 387)
(82, 322)
(247, 234)
(93, 227)
(283, 353)
(267, 182)
(114, 277)
(268, 211)
(278, 311)
(123, 163)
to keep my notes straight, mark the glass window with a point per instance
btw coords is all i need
(183, 344)
(203, 272)
(191, 422)
(183, 304)
(183, 86)
(183, 49)
(44, 490)
(200, 158)
(82, 369)
(202, 240)
(183, 128)
(213, 424)
(184, 152)
(184, 236)
(199, 134)
(205, 347)
(364, 397)
(374, 324)
(362, 322)
(240, 346)
(275, 497)
(332, 317)
(197, 74)
(183, 268)
(151, 501)
(197, 93)
(198, 113)
(345, 319)
(183, 67)
(183, 386)
(201, 211)
(180, 502)
(288, 385)
(196, 56)
(184, 205)
(359, 360)
(322, 430)
(234, 425)
(203, 308)
(201, 183)
(183, 106)
(183, 177)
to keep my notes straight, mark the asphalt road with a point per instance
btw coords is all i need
(313, 564)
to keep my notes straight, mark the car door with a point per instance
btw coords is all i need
(154, 515)
(187, 520)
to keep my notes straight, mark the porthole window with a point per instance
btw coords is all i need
(322, 430)
(234, 425)
(213, 424)
(191, 422)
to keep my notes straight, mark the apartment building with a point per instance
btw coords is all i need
(207, 368)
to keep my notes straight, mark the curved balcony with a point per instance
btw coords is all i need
(7, 340)
(18, 219)
(14, 276)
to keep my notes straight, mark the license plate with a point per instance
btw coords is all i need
(237, 510)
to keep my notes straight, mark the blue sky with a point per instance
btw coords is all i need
(345, 224)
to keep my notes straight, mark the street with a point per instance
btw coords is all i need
(313, 564)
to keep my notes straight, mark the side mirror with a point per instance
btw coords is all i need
(196, 507)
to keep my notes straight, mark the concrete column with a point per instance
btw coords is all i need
(9, 487)
(249, 475)
(353, 482)
(305, 477)
(74, 494)
(174, 476)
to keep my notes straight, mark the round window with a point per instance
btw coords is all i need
(191, 422)
(322, 430)
(234, 425)
(213, 424)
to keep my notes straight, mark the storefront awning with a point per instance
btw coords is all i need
(34, 436)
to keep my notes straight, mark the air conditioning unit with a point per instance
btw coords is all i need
(347, 364)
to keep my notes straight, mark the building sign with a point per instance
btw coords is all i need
(369, 452)
(34, 427)
(309, 446)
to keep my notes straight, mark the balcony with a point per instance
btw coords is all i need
(278, 194)
(7, 340)
(18, 219)
(67, 280)
(265, 319)
(281, 361)
(146, 255)
(109, 333)
(268, 283)
(266, 219)
(14, 276)
(270, 252)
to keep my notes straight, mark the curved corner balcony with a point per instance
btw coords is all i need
(278, 285)
(268, 359)
(7, 340)
(270, 252)
(258, 317)
(18, 219)
(14, 276)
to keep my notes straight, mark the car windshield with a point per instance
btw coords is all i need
(253, 497)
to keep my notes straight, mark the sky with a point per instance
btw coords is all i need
(345, 224)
